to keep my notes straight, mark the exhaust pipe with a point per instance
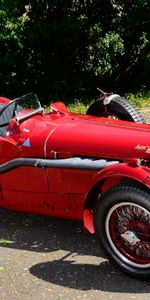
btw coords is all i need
(67, 163)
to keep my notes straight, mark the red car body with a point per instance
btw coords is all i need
(69, 191)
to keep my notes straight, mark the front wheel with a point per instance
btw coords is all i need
(118, 108)
(122, 224)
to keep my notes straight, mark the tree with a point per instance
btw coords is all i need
(65, 48)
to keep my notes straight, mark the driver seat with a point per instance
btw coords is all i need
(5, 117)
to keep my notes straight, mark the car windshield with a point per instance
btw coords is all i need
(26, 105)
(20, 108)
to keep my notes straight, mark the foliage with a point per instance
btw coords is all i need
(66, 48)
(140, 99)
(102, 52)
(11, 46)
(79, 107)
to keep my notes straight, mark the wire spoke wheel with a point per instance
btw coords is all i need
(128, 231)
(122, 225)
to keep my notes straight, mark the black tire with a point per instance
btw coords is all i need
(122, 225)
(118, 108)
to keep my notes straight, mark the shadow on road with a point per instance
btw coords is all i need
(88, 277)
(43, 234)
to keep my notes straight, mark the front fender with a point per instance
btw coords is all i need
(137, 173)
(123, 170)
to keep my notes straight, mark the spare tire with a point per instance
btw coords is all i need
(118, 108)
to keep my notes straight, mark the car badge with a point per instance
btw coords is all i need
(26, 143)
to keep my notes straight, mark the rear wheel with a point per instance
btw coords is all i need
(122, 224)
(118, 108)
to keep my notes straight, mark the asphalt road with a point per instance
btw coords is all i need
(45, 258)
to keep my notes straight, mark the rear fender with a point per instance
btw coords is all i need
(4, 100)
(107, 177)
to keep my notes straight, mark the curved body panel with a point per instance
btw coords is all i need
(83, 136)
(99, 137)
(63, 135)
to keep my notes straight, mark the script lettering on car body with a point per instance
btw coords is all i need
(143, 148)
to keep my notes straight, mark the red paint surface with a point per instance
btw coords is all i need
(60, 134)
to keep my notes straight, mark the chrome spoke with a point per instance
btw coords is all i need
(128, 232)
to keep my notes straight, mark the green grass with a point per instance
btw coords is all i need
(4, 268)
(5, 242)
(140, 99)
(79, 107)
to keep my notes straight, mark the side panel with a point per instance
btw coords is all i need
(68, 187)
(67, 181)
(62, 206)
(53, 192)
(22, 188)
(25, 179)
(8, 150)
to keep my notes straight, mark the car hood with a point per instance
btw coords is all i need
(81, 135)
(62, 136)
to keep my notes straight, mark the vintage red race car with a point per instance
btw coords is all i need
(89, 168)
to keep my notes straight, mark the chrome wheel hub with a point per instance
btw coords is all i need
(130, 237)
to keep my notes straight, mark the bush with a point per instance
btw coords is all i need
(64, 49)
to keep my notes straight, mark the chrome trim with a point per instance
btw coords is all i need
(20, 118)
